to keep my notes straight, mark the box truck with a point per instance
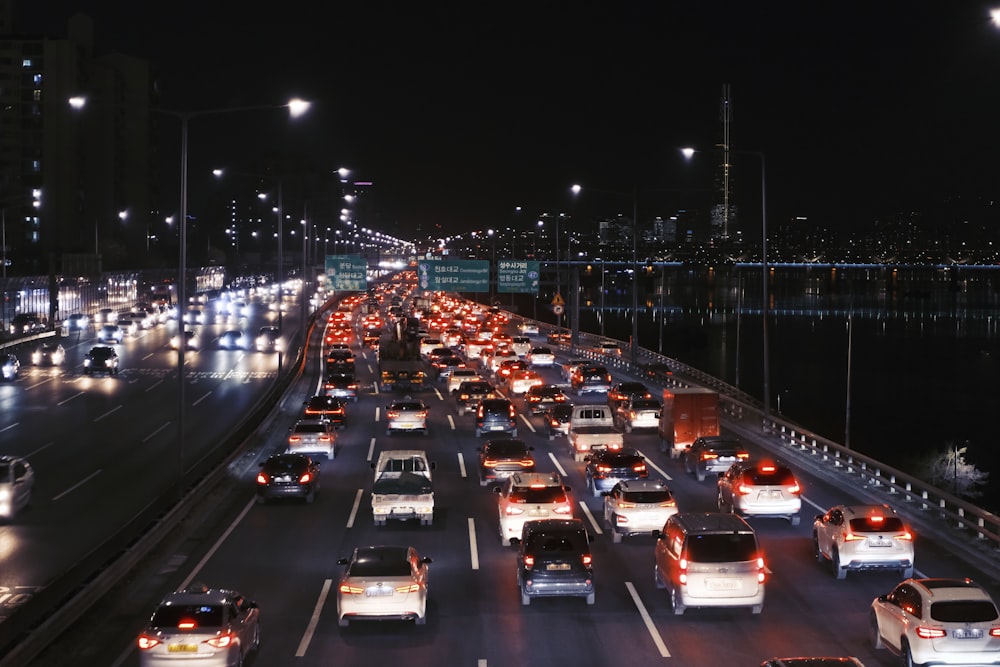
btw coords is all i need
(687, 414)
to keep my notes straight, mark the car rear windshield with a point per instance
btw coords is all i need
(390, 565)
(285, 464)
(310, 428)
(721, 547)
(512, 449)
(645, 405)
(640, 497)
(964, 611)
(545, 494)
(780, 476)
(890, 524)
(204, 616)
(557, 543)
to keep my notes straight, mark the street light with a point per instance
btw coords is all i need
(765, 308)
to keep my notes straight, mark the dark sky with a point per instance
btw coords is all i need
(459, 111)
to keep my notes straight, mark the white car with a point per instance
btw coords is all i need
(16, 481)
(406, 415)
(639, 506)
(428, 344)
(863, 537)
(520, 382)
(460, 375)
(527, 496)
(761, 489)
(311, 437)
(383, 582)
(937, 622)
(528, 328)
(500, 356)
(521, 345)
(541, 356)
(111, 333)
(191, 340)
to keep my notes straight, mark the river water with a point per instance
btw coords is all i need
(924, 348)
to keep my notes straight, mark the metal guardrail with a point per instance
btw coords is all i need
(742, 411)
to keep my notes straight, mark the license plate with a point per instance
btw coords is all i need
(557, 566)
(182, 648)
(769, 495)
(878, 542)
(378, 592)
(967, 633)
(496, 428)
(406, 425)
(722, 584)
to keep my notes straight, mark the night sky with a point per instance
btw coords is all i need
(460, 111)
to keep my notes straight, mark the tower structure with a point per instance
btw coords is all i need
(723, 223)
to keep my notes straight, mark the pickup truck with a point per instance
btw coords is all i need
(592, 428)
(403, 488)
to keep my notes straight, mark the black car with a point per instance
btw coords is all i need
(447, 365)
(329, 408)
(288, 476)
(496, 415)
(712, 455)
(101, 359)
(25, 323)
(625, 390)
(607, 468)
(470, 393)
(557, 419)
(499, 459)
(341, 384)
(555, 559)
(10, 366)
(540, 398)
(656, 370)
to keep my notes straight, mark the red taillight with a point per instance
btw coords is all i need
(147, 642)
(222, 641)
(527, 463)
(262, 478)
(995, 632)
(325, 437)
(351, 590)
(304, 479)
(294, 438)
(603, 468)
(905, 536)
(851, 537)
(743, 489)
(761, 573)
(529, 562)
(743, 456)
(586, 559)
(639, 467)
(794, 488)
(510, 510)
(708, 456)
(392, 414)
(925, 632)
(409, 588)
(682, 575)
(489, 463)
(562, 509)
(186, 624)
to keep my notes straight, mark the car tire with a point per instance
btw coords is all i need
(592, 598)
(838, 571)
(675, 602)
(525, 598)
(816, 550)
(906, 654)
(875, 635)
(658, 578)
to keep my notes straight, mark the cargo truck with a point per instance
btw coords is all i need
(403, 488)
(687, 414)
(592, 428)
(400, 366)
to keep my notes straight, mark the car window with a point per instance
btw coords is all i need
(721, 548)
(380, 567)
(547, 494)
(639, 497)
(557, 542)
(890, 524)
(964, 611)
(779, 476)
(505, 449)
(204, 616)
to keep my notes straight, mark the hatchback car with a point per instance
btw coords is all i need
(539, 398)
(640, 506)
(863, 537)
(528, 328)
(557, 420)
(712, 455)
(341, 384)
(192, 341)
(50, 353)
(312, 436)
(591, 379)
(761, 489)
(201, 626)
(541, 357)
(76, 322)
(325, 407)
(939, 622)
(555, 560)
(406, 415)
(556, 338)
(17, 479)
(460, 375)
(529, 496)
(507, 368)
(382, 583)
(496, 415)
(288, 476)
(470, 394)
(499, 459)
(101, 359)
(625, 390)
(608, 467)
(10, 366)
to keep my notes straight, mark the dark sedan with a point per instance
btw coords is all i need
(329, 408)
(607, 468)
(288, 476)
(499, 459)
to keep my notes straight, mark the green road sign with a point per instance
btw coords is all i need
(455, 275)
(347, 272)
(520, 276)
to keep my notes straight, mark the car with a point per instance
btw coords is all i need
(863, 537)
(106, 316)
(541, 357)
(508, 366)
(939, 621)
(591, 378)
(624, 390)
(656, 370)
(341, 384)
(25, 323)
(499, 459)
(326, 407)
(499, 356)
(557, 338)
(383, 582)
(49, 353)
(339, 359)
(637, 413)
(407, 414)
(460, 375)
(192, 341)
(638, 506)
(555, 560)
(496, 415)
(288, 476)
(448, 365)
(567, 368)
(521, 345)
(557, 418)
(529, 496)
(520, 382)
(76, 322)
(312, 436)
(528, 328)
(605, 468)
(712, 455)
(471, 393)
(813, 662)
(101, 359)
(194, 316)
(761, 489)
(10, 366)
(198, 625)
(17, 479)
(428, 344)
(540, 397)
(111, 333)
(608, 347)
(268, 340)
(234, 339)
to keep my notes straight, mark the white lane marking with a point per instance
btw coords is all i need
(154, 385)
(354, 508)
(153, 434)
(473, 547)
(7, 428)
(593, 521)
(77, 485)
(38, 384)
(148, 356)
(440, 397)
(67, 400)
(663, 473)
(451, 422)
(527, 423)
(204, 396)
(377, 414)
(371, 449)
(648, 621)
(481, 662)
(555, 462)
(112, 410)
(215, 547)
(45, 446)
(314, 619)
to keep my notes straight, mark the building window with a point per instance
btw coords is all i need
(37, 79)
(26, 62)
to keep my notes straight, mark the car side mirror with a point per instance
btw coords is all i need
(426, 560)
(882, 598)
(658, 535)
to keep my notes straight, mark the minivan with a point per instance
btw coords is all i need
(710, 559)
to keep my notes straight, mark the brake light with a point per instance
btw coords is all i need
(587, 559)
(222, 641)
(305, 478)
(682, 574)
(325, 437)
(529, 562)
(186, 624)
(603, 468)
(527, 463)
(392, 414)
(760, 570)
(639, 467)
(995, 632)
(876, 518)
(794, 488)
(262, 478)
(614, 446)
(743, 489)
(489, 463)
(294, 438)
(767, 468)
(409, 588)
(743, 456)
(351, 590)
(562, 509)
(708, 456)
(925, 632)
(147, 642)
(907, 535)
(668, 503)
(510, 510)
(512, 412)
(625, 503)
(851, 537)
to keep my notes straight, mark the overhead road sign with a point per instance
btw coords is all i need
(347, 272)
(518, 276)
(454, 275)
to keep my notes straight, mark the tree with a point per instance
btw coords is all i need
(948, 468)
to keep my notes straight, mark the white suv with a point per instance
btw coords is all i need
(863, 537)
(527, 496)
(638, 506)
